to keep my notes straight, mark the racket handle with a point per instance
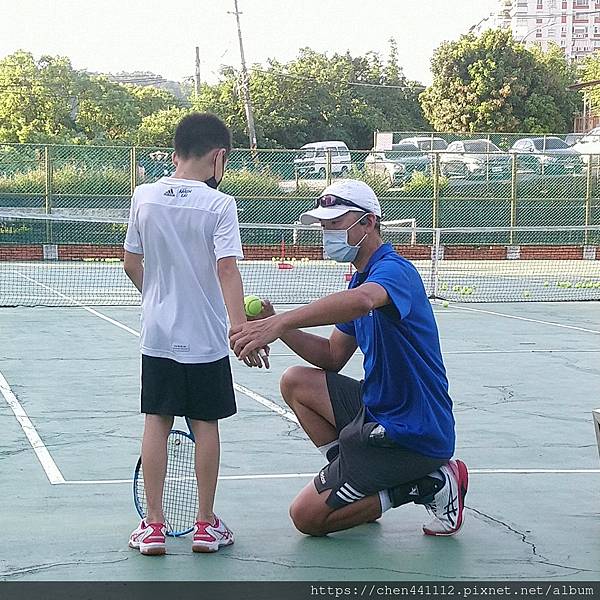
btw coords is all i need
(187, 422)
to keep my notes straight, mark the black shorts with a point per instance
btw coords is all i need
(202, 391)
(366, 464)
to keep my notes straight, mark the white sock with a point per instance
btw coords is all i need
(325, 449)
(385, 500)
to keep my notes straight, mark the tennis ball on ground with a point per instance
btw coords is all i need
(252, 305)
(445, 304)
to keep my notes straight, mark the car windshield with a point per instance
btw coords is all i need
(435, 144)
(480, 146)
(549, 144)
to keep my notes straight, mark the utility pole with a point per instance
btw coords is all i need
(197, 74)
(245, 86)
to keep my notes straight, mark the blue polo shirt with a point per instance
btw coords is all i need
(405, 387)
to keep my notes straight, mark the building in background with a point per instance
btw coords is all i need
(574, 25)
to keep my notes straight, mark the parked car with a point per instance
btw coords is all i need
(474, 158)
(572, 138)
(426, 143)
(546, 155)
(399, 163)
(312, 159)
(589, 145)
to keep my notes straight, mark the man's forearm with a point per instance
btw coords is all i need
(312, 348)
(336, 308)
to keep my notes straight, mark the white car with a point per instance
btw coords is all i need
(379, 164)
(312, 159)
(589, 145)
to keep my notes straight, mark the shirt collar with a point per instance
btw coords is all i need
(382, 251)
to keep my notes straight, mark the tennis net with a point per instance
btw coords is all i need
(65, 261)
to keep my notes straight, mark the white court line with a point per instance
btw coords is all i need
(80, 305)
(50, 468)
(271, 476)
(271, 405)
(540, 322)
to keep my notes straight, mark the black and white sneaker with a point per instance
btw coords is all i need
(447, 507)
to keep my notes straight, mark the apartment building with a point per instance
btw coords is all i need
(574, 25)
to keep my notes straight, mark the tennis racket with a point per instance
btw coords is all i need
(180, 496)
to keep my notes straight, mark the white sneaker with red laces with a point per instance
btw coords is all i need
(448, 504)
(149, 538)
(209, 537)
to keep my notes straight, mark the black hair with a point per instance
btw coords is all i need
(377, 222)
(199, 133)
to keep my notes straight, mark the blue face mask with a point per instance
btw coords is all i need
(335, 243)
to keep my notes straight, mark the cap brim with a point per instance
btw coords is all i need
(324, 214)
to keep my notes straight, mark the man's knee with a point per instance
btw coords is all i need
(293, 380)
(306, 521)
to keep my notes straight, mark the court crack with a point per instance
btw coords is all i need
(48, 566)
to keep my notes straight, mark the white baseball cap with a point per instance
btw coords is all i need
(330, 204)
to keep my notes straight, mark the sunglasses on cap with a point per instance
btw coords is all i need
(329, 200)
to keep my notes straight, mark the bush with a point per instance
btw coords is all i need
(380, 184)
(246, 183)
(422, 184)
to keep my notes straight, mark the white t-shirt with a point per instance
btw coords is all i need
(183, 228)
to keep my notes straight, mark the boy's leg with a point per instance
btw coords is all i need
(207, 465)
(154, 463)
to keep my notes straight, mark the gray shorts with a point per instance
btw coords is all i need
(366, 463)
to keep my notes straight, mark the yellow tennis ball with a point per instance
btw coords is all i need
(445, 304)
(252, 305)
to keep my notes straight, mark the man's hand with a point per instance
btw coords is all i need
(254, 335)
(267, 311)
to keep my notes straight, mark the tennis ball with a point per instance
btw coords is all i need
(252, 305)
(445, 304)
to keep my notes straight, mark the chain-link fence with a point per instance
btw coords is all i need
(469, 182)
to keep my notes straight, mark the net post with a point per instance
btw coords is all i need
(588, 198)
(513, 196)
(328, 165)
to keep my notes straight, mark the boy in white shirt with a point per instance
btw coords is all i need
(181, 248)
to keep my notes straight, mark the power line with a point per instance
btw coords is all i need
(355, 83)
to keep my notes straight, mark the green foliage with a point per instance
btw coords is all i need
(250, 183)
(378, 182)
(309, 99)
(69, 180)
(493, 83)
(422, 184)
(158, 129)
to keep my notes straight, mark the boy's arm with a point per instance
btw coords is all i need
(133, 265)
(233, 294)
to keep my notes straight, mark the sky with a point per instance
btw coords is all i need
(110, 36)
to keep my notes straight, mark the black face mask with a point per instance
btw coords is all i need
(212, 181)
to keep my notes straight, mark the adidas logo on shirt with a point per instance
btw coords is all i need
(414, 491)
(170, 193)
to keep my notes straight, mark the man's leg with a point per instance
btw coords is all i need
(154, 463)
(304, 390)
(312, 516)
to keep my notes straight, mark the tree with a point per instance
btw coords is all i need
(316, 97)
(493, 83)
(590, 71)
(158, 129)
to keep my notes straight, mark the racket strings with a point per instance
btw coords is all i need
(180, 495)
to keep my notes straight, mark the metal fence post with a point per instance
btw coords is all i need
(436, 191)
(133, 168)
(328, 165)
(48, 177)
(588, 197)
(513, 197)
